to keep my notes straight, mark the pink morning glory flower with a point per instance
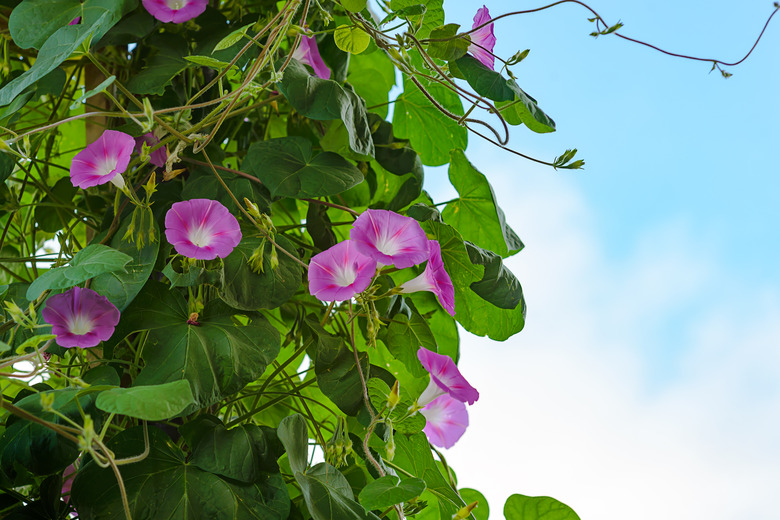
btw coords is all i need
(157, 157)
(445, 379)
(340, 272)
(80, 317)
(75, 21)
(176, 11)
(390, 238)
(308, 53)
(446, 421)
(483, 40)
(103, 161)
(434, 279)
(202, 229)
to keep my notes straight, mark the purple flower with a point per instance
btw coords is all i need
(483, 40)
(157, 157)
(308, 53)
(390, 238)
(340, 272)
(80, 317)
(446, 421)
(434, 279)
(75, 21)
(202, 229)
(445, 379)
(102, 161)
(176, 11)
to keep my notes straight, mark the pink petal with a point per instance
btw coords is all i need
(176, 11)
(75, 21)
(483, 40)
(340, 272)
(390, 238)
(157, 157)
(307, 52)
(434, 279)
(446, 421)
(203, 229)
(444, 372)
(102, 160)
(84, 306)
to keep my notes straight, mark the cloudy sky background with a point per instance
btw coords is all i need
(645, 384)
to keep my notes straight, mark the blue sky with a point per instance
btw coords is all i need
(646, 380)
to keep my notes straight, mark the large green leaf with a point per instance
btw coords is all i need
(404, 336)
(243, 287)
(93, 260)
(395, 155)
(524, 110)
(387, 491)
(217, 356)
(151, 403)
(450, 49)
(53, 212)
(203, 184)
(328, 495)
(485, 82)
(164, 485)
(122, 287)
(475, 214)
(288, 168)
(241, 453)
(324, 100)
(32, 22)
(499, 286)
(62, 43)
(336, 370)
(521, 507)
(413, 453)
(293, 433)
(431, 133)
(372, 76)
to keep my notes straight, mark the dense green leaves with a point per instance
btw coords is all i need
(324, 100)
(63, 41)
(161, 66)
(152, 403)
(164, 485)
(245, 286)
(214, 353)
(432, 133)
(521, 507)
(372, 76)
(288, 168)
(475, 214)
(485, 82)
(90, 262)
(432, 16)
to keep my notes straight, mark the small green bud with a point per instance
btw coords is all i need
(256, 260)
(47, 401)
(17, 314)
(465, 511)
(394, 397)
(274, 260)
(339, 446)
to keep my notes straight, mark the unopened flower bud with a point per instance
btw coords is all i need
(465, 511)
(256, 259)
(394, 397)
(47, 401)
(252, 208)
(339, 446)
(16, 313)
(274, 260)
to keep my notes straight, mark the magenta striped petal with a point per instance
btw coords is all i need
(434, 279)
(340, 272)
(445, 378)
(80, 317)
(390, 238)
(308, 53)
(175, 11)
(446, 421)
(102, 160)
(483, 40)
(157, 157)
(202, 229)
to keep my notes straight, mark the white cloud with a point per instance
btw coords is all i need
(580, 406)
